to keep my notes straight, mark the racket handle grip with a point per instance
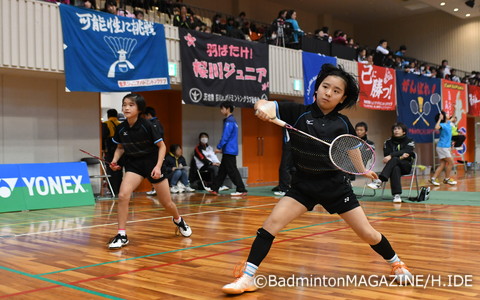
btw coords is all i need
(278, 122)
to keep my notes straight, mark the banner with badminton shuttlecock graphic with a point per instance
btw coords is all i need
(108, 53)
(418, 101)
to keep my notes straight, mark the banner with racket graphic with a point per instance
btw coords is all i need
(377, 87)
(454, 99)
(108, 53)
(418, 101)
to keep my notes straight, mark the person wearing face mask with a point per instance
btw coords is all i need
(205, 157)
(398, 158)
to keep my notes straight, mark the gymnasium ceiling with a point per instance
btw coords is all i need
(358, 11)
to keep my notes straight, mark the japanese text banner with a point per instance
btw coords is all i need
(312, 63)
(418, 101)
(377, 87)
(474, 100)
(454, 99)
(217, 69)
(108, 53)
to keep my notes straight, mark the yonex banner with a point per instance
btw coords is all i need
(108, 53)
(312, 62)
(377, 87)
(39, 186)
(216, 69)
(418, 101)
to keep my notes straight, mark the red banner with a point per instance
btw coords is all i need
(377, 87)
(454, 103)
(474, 100)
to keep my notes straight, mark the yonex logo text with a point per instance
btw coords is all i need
(43, 186)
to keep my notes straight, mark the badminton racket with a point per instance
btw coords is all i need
(435, 99)
(99, 158)
(347, 152)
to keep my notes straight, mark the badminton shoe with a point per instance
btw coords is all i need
(401, 272)
(223, 188)
(183, 228)
(241, 285)
(174, 190)
(449, 181)
(188, 189)
(118, 242)
(397, 198)
(376, 184)
(151, 193)
(279, 193)
(236, 194)
(434, 181)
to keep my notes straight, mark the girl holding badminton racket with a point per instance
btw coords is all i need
(318, 179)
(144, 150)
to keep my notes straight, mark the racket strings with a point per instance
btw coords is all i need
(352, 155)
(309, 155)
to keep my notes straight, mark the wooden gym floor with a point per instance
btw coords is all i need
(61, 253)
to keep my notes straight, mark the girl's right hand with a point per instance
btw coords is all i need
(114, 166)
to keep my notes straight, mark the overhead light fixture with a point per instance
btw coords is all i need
(470, 3)
(442, 3)
(455, 9)
(467, 15)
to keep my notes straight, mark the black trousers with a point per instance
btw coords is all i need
(228, 166)
(212, 172)
(393, 170)
(286, 168)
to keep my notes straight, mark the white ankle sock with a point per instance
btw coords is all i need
(122, 232)
(394, 259)
(177, 220)
(250, 269)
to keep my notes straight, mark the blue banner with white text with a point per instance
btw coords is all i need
(312, 62)
(418, 101)
(109, 53)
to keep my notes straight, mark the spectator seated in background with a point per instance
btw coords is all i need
(205, 159)
(291, 18)
(139, 15)
(233, 29)
(322, 34)
(340, 39)
(362, 55)
(175, 170)
(111, 7)
(401, 51)
(90, 4)
(398, 160)
(217, 26)
(381, 53)
(183, 20)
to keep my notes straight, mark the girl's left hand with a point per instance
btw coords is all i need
(370, 174)
(156, 173)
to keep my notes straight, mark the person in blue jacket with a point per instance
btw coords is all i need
(228, 146)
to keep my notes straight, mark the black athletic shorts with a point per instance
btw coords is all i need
(143, 166)
(333, 191)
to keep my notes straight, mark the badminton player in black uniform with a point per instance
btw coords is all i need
(141, 142)
(317, 181)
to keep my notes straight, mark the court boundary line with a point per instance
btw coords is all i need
(58, 284)
(215, 254)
